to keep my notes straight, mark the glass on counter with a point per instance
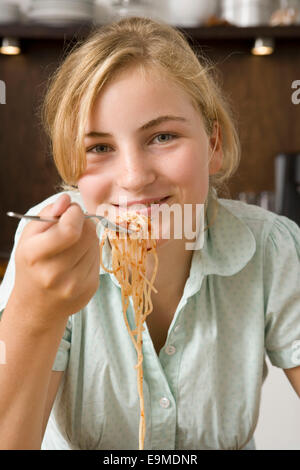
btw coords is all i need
(264, 199)
(288, 13)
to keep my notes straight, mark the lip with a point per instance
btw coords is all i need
(148, 211)
(158, 200)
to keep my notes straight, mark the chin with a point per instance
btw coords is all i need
(161, 243)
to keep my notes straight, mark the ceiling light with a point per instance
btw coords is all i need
(263, 46)
(10, 46)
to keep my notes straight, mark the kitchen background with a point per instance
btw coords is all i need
(255, 45)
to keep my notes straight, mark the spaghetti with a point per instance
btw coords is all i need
(129, 257)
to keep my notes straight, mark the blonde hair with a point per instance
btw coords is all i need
(94, 61)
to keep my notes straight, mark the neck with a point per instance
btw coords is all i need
(174, 263)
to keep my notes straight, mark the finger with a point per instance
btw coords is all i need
(72, 255)
(87, 241)
(79, 274)
(89, 264)
(61, 235)
(61, 205)
(55, 209)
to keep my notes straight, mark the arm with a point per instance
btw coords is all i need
(57, 272)
(55, 380)
(294, 377)
(25, 379)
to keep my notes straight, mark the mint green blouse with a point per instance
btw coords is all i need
(240, 302)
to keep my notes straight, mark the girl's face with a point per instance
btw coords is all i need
(145, 140)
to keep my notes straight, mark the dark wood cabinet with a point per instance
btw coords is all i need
(259, 89)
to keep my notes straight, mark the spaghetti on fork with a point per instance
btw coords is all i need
(129, 258)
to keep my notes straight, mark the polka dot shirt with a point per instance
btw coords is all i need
(241, 301)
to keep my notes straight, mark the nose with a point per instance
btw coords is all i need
(135, 171)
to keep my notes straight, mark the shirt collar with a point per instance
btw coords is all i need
(228, 243)
(228, 246)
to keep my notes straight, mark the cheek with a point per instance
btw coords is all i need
(190, 173)
(93, 190)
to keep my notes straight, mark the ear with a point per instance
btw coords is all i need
(216, 150)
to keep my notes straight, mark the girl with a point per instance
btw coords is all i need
(134, 116)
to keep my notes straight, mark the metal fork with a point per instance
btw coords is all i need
(105, 222)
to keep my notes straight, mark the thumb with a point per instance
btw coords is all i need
(55, 209)
(58, 207)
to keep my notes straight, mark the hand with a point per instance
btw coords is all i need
(57, 264)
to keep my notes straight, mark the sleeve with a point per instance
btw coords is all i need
(8, 281)
(7, 285)
(282, 293)
(63, 352)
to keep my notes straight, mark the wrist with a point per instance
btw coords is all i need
(32, 315)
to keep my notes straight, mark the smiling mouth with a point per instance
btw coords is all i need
(147, 209)
(131, 206)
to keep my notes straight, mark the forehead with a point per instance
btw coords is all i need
(145, 73)
(140, 88)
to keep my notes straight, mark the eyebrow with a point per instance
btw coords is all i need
(148, 125)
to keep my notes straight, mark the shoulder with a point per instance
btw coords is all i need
(268, 227)
(250, 213)
(260, 221)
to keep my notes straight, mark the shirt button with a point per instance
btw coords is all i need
(164, 402)
(177, 327)
(170, 350)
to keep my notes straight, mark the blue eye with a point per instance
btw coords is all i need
(102, 148)
(162, 138)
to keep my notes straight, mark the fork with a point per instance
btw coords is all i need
(105, 222)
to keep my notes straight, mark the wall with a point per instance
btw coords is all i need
(278, 425)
